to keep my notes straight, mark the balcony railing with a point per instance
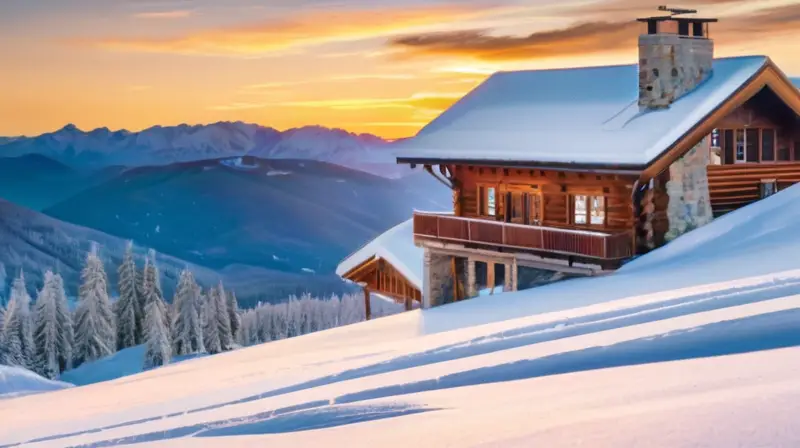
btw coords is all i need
(597, 245)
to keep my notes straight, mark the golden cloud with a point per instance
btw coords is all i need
(428, 101)
(587, 37)
(308, 28)
(177, 14)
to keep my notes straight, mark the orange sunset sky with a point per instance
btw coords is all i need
(379, 66)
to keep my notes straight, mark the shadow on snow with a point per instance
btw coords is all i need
(762, 332)
(540, 333)
(297, 418)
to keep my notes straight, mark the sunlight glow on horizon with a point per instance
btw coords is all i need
(376, 68)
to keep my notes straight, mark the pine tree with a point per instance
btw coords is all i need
(65, 330)
(158, 350)
(211, 335)
(223, 317)
(141, 297)
(2, 333)
(94, 319)
(187, 335)
(126, 309)
(234, 316)
(46, 330)
(151, 286)
(18, 327)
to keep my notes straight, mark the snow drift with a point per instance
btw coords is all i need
(17, 381)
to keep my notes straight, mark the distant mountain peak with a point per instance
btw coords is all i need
(165, 145)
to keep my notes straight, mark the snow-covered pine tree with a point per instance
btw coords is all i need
(211, 336)
(66, 339)
(140, 295)
(158, 350)
(187, 335)
(46, 330)
(18, 328)
(220, 304)
(233, 313)
(94, 319)
(2, 334)
(126, 308)
(151, 287)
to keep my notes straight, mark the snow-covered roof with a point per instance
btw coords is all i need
(579, 115)
(396, 246)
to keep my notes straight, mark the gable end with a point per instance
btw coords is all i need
(768, 76)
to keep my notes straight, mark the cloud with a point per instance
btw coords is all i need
(175, 14)
(589, 37)
(426, 101)
(308, 27)
(582, 38)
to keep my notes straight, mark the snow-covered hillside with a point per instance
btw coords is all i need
(16, 382)
(166, 145)
(701, 347)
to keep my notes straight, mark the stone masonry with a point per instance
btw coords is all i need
(671, 66)
(689, 200)
(438, 279)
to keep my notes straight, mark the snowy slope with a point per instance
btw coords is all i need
(17, 381)
(165, 145)
(657, 355)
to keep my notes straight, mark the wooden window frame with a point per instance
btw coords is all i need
(588, 224)
(761, 130)
(483, 200)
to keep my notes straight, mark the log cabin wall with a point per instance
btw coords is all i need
(759, 141)
(551, 195)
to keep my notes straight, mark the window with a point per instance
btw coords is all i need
(727, 146)
(783, 153)
(739, 145)
(768, 145)
(715, 138)
(589, 210)
(751, 143)
(491, 204)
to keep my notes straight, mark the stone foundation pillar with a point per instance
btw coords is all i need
(507, 280)
(472, 281)
(514, 275)
(427, 290)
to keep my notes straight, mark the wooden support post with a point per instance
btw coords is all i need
(472, 285)
(367, 304)
(490, 281)
(409, 301)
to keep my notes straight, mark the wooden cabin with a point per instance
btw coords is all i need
(389, 266)
(578, 170)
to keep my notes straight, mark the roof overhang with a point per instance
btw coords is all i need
(622, 169)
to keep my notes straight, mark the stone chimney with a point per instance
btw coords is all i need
(675, 56)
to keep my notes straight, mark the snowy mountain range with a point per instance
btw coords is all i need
(34, 242)
(159, 145)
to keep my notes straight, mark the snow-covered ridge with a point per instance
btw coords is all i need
(159, 145)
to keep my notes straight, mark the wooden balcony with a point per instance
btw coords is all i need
(547, 240)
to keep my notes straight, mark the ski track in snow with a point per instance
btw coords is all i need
(748, 333)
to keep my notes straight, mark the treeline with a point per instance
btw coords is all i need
(299, 316)
(46, 337)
